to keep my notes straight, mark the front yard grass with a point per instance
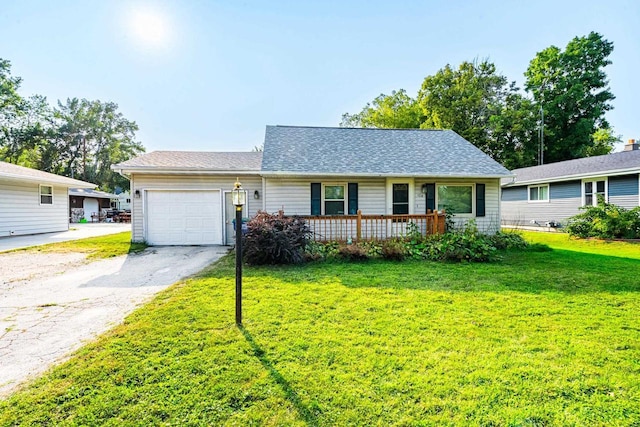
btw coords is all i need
(95, 247)
(539, 339)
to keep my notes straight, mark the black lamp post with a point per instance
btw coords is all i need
(238, 197)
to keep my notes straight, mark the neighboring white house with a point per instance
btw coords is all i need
(90, 205)
(184, 197)
(121, 201)
(33, 201)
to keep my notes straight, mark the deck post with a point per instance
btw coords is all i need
(436, 228)
(359, 226)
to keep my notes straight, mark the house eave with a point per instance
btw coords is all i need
(64, 182)
(153, 170)
(616, 172)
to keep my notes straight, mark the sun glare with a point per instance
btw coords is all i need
(150, 27)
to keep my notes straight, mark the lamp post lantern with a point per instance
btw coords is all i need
(238, 197)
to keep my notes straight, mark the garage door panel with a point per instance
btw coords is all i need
(184, 217)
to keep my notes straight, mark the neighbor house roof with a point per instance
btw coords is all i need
(293, 150)
(609, 164)
(196, 161)
(86, 192)
(21, 173)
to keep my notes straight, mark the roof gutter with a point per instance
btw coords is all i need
(64, 181)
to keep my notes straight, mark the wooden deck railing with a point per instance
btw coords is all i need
(361, 227)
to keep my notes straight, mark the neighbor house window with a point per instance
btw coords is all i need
(539, 193)
(46, 195)
(457, 199)
(400, 199)
(592, 189)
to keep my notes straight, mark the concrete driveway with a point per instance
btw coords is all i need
(75, 232)
(50, 304)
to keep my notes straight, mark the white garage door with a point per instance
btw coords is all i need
(183, 217)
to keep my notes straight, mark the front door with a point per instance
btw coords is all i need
(229, 216)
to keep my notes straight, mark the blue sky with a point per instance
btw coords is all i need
(209, 75)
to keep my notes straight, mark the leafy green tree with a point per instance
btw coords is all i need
(464, 100)
(90, 136)
(397, 111)
(603, 142)
(22, 121)
(9, 85)
(513, 132)
(79, 138)
(572, 88)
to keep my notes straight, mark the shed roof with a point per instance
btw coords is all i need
(374, 152)
(193, 161)
(21, 173)
(87, 192)
(625, 161)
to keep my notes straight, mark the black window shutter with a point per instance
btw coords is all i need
(316, 198)
(480, 205)
(353, 198)
(431, 196)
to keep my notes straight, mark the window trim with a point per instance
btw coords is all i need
(594, 181)
(471, 214)
(529, 187)
(40, 194)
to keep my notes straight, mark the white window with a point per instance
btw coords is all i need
(457, 199)
(539, 193)
(46, 195)
(334, 198)
(592, 190)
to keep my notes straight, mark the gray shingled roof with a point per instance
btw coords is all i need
(357, 151)
(194, 160)
(15, 172)
(578, 168)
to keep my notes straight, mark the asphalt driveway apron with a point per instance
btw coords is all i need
(50, 304)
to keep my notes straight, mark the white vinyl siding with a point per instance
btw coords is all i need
(145, 182)
(21, 211)
(293, 195)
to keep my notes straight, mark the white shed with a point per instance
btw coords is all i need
(33, 201)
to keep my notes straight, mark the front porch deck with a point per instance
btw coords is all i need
(361, 227)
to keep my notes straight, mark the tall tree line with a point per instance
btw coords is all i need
(566, 94)
(77, 138)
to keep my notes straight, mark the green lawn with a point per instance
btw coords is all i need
(539, 339)
(95, 247)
